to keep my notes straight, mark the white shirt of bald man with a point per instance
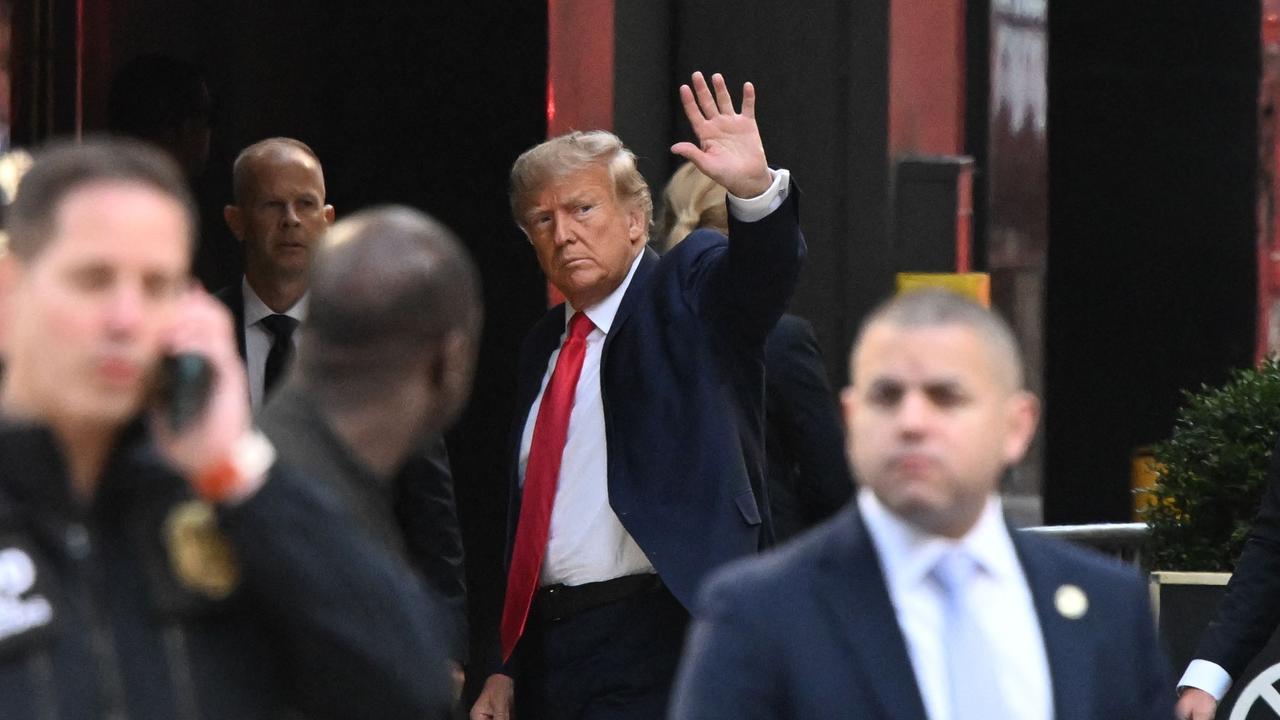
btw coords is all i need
(258, 341)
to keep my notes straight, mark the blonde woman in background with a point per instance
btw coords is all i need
(808, 475)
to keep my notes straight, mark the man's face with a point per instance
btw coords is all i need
(87, 317)
(933, 421)
(283, 215)
(585, 239)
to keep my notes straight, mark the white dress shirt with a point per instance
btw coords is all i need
(586, 541)
(258, 340)
(1207, 676)
(1000, 594)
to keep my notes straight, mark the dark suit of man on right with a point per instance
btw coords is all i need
(1247, 617)
(917, 602)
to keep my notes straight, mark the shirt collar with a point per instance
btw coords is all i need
(255, 309)
(602, 313)
(907, 554)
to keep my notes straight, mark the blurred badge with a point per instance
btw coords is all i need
(1071, 602)
(26, 601)
(200, 556)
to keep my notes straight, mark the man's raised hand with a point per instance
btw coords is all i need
(729, 149)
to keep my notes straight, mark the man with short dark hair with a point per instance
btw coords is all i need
(278, 214)
(917, 602)
(170, 568)
(636, 456)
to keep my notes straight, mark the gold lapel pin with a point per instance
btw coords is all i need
(1071, 602)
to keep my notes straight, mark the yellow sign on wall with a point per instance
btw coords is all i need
(975, 286)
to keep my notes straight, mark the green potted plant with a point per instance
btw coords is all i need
(1212, 472)
(1211, 476)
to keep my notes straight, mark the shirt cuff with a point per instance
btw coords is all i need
(759, 207)
(1206, 676)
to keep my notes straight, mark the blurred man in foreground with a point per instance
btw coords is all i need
(156, 566)
(390, 342)
(917, 601)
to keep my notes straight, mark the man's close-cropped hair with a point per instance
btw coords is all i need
(65, 166)
(934, 307)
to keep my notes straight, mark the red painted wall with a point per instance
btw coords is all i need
(579, 72)
(926, 77)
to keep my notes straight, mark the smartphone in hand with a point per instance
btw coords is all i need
(181, 388)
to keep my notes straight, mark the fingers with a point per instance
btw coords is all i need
(691, 110)
(700, 103)
(749, 100)
(686, 150)
(705, 102)
(724, 103)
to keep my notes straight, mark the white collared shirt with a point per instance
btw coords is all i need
(258, 340)
(1208, 676)
(1000, 594)
(587, 542)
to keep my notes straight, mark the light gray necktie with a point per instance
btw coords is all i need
(971, 674)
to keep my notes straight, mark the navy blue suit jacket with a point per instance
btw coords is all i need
(809, 631)
(682, 382)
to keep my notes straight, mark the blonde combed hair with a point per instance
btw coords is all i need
(691, 201)
(573, 152)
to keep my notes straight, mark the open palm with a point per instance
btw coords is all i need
(729, 149)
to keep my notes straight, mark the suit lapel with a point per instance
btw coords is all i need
(630, 299)
(853, 586)
(1069, 664)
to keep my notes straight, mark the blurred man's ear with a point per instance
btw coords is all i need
(1023, 415)
(450, 370)
(235, 221)
(328, 214)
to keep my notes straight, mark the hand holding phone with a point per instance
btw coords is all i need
(200, 409)
(181, 390)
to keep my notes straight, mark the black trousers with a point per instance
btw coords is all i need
(613, 662)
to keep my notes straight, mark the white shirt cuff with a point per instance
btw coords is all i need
(1206, 676)
(759, 207)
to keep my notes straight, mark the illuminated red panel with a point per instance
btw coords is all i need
(579, 72)
(926, 77)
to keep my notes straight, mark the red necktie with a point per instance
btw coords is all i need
(540, 476)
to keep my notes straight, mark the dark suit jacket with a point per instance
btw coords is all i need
(233, 297)
(682, 382)
(809, 630)
(809, 478)
(411, 514)
(1250, 610)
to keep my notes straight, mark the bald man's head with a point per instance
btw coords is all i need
(279, 213)
(392, 291)
(263, 155)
